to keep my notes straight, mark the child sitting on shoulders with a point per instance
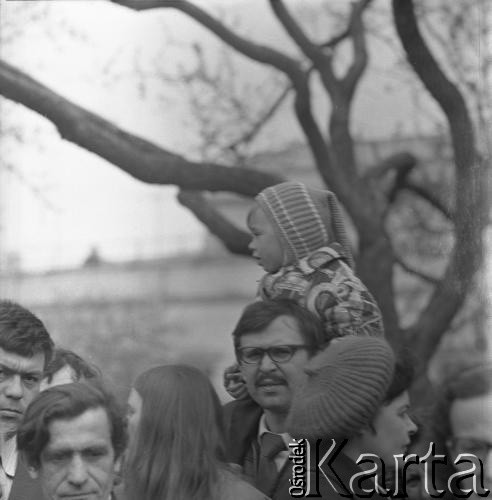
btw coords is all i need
(299, 239)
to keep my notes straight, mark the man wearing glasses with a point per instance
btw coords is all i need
(273, 341)
(25, 349)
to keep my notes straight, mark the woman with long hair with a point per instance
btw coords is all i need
(176, 449)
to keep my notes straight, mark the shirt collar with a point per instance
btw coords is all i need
(262, 429)
(9, 456)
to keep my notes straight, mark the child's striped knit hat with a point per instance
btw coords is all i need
(304, 219)
(346, 385)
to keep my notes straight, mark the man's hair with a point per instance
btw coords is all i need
(66, 402)
(81, 368)
(257, 316)
(23, 333)
(403, 376)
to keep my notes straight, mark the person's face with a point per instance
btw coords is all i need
(272, 384)
(472, 433)
(78, 462)
(415, 474)
(133, 413)
(391, 430)
(20, 378)
(415, 489)
(65, 375)
(265, 244)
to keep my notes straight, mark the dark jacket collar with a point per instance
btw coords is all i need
(241, 418)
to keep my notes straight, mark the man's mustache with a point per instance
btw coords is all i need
(264, 379)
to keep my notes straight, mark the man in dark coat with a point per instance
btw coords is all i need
(273, 341)
(268, 339)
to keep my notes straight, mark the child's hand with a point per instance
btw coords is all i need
(234, 382)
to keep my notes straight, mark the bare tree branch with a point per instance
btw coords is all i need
(320, 148)
(234, 239)
(411, 270)
(403, 164)
(262, 120)
(391, 174)
(339, 180)
(342, 92)
(321, 60)
(139, 158)
(241, 112)
(340, 37)
(428, 196)
(256, 52)
(449, 295)
(335, 40)
(302, 105)
(310, 50)
(37, 192)
(399, 162)
(359, 62)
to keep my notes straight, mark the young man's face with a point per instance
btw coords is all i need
(264, 244)
(20, 378)
(79, 461)
(272, 384)
(391, 430)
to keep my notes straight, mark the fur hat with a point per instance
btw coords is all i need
(304, 219)
(347, 383)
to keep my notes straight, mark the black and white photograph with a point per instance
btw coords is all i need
(245, 249)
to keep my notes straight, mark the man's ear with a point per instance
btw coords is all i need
(33, 472)
(118, 465)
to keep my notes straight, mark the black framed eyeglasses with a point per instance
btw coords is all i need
(277, 353)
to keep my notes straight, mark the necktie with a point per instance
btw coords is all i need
(270, 445)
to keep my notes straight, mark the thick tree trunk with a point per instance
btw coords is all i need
(375, 268)
(470, 213)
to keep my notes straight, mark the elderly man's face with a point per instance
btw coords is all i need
(20, 377)
(79, 462)
(269, 383)
(472, 433)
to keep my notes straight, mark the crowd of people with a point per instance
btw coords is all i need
(321, 405)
